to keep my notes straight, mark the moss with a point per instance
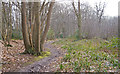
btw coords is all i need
(40, 57)
(44, 54)
(37, 58)
(47, 53)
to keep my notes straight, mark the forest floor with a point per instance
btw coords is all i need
(89, 55)
(65, 55)
(13, 61)
(47, 64)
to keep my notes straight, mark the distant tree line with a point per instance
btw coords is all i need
(93, 22)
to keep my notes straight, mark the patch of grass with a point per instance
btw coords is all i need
(89, 55)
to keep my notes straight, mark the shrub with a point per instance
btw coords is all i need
(114, 43)
(50, 35)
(16, 34)
(77, 34)
(61, 35)
(83, 35)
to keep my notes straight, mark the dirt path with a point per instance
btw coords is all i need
(44, 64)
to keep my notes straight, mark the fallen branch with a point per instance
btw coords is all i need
(4, 63)
(2, 42)
(14, 41)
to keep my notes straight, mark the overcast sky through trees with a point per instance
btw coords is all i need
(110, 10)
(111, 5)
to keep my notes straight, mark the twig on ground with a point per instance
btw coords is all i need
(14, 41)
(2, 42)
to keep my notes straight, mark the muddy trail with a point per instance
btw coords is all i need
(44, 65)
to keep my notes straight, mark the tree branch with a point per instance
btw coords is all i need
(75, 10)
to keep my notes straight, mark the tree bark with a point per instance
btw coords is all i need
(24, 28)
(47, 25)
(79, 20)
(37, 23)
(78, 15)
(10, 23)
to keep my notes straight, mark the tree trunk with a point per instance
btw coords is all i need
(10, 23)
(30, 23)
(33, 26)
(78, 15)
(24, 28)
(47, 25)
(37, 23)
(79, 20)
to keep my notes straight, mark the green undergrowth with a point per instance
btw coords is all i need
(89, 55)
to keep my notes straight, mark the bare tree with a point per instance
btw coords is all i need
(64, 22)
(38, 25)
(6, 23)
(100, 7)
(78, 15)
(47, 25)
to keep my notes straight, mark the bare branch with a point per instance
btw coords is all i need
(75, 9)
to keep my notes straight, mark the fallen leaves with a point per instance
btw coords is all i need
(12, 57)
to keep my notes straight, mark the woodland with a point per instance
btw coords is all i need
(50, 36)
